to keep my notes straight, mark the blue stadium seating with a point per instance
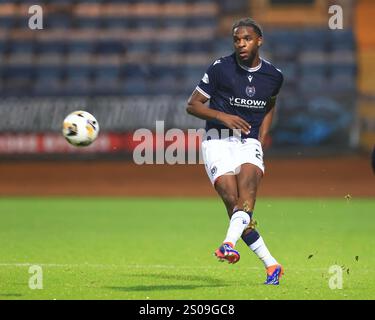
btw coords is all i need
(51, 46)
(135, 86)
(164, 85)
(80, 46)
(7, 22)
(342, 40)
(21, 47)
(47, 86)
(307, 57)
(76, 85)
(3, 46)
(57, 21)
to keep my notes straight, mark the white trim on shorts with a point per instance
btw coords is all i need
(225, 156)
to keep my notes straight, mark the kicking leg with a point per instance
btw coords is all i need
(226, 186)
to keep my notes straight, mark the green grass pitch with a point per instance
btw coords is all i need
(113, 248)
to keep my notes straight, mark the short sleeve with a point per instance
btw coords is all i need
(280, 83)
(208, 84)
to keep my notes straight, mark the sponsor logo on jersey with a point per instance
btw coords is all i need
(217, 61)
(250, 91)
(213, 170)
(250, 78)
(247, 103)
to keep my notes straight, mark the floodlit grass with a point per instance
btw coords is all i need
(112, 248)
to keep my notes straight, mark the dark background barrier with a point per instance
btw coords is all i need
(132, 63)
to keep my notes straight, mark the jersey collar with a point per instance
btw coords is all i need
(252, 69)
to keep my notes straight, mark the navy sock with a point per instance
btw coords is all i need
(251, 237)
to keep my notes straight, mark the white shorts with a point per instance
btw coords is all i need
(225, 156)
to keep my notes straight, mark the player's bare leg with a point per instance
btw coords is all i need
(226, 186)
(248, 181)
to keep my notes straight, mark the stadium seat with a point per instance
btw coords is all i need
(17, 84)
(57, 21)
(198, 46)
(109, 47)
(342, 83)
(48, 86)
(80, 47)
(78, 70)
(15, 47)
(342, 40)
(106, 86)
(51, 46)
(147, 23)
(7, 22)
(163, 85)
(88, 23)
(285, 44)
(131, 70)
(314, 40)
(17, 71)
(231, 7)
(3, 46)
(115, 22)
(312, 83)
(343, 68)
(222, 47)
(314, 69)
(106, 72)
(342, 56)
(135, 86)
(138, 47)
(149, 64)
(169, 47)
(76, 85)
(289, 70)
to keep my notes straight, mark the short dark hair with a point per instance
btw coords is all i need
(248, 22)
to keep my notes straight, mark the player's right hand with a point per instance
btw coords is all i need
(234, 122)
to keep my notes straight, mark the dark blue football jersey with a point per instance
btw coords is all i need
(241, 91)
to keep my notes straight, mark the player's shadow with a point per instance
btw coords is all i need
(208, 282)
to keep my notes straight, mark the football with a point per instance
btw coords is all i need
(80, 128)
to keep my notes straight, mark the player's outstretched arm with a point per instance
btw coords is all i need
(197, 108)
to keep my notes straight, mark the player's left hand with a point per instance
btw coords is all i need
(234, 122)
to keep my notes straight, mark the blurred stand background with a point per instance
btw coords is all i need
(131, 63)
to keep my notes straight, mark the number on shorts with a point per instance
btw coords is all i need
(258, 154)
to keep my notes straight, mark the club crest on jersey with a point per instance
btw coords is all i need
(250, 91)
